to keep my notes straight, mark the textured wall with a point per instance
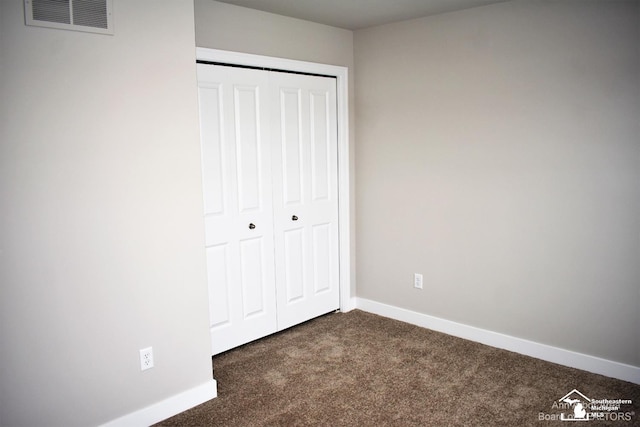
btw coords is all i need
(498, 154)
(101, 230)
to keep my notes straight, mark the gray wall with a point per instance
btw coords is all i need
(228, 27)
(101, 238)
(498, 154)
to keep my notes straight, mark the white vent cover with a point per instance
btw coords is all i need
(92, 16)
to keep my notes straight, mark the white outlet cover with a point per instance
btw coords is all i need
(417, 281)
(146, 358)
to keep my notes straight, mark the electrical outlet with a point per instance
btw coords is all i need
(146, 358)
(417, 281)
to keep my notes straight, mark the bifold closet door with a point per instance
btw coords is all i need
(236, 165)
(269, 150)
(305, 196)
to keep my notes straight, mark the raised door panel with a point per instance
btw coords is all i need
(322, 151)
(248, 146)
(213, 156)
(236, 170)
(321, 256)
(291, 146)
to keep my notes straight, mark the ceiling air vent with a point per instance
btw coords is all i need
(93, 16)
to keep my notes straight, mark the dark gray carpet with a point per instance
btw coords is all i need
(359, 369)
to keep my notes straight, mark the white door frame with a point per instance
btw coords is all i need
(347, 303)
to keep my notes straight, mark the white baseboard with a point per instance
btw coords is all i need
(517, 345)
(168, 407)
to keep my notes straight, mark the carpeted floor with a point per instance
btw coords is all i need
(359, 369)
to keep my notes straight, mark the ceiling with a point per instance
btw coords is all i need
(357, 14)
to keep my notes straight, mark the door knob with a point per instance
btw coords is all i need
(294, 218)
(252, 226)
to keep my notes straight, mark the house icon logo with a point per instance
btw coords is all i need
(574, 406)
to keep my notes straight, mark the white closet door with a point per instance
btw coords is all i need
(305, 196)
(236, 164)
